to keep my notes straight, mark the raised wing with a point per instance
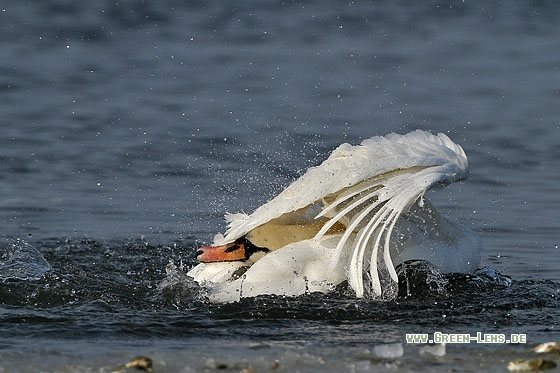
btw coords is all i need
(365, 187)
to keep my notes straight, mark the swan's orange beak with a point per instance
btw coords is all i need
(225, 253)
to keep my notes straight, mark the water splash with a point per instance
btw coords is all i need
(490, 276)
(420, 278)
(19, 260)
(177, 288)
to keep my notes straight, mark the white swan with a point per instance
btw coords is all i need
(353, 218)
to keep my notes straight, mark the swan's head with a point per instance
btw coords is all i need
(240, 250)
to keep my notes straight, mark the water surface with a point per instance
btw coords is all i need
(129, 128)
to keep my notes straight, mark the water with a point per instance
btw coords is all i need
(129, 128)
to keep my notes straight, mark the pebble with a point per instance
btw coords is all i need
(140, 363)
(435, 350)
(535, 365)
(389, 351)
(548, 347)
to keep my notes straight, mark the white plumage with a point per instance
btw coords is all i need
(339, 220)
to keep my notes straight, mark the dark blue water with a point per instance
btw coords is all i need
(129, 128)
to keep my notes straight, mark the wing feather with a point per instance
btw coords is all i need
(348, 166)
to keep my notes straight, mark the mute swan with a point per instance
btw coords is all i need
(353, 218)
